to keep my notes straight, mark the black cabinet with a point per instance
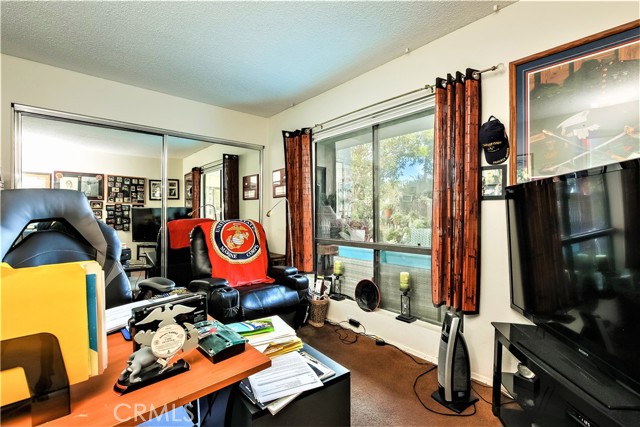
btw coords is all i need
(563, 389)
(329, 405)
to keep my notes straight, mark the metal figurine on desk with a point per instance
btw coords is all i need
(336, 291)
(158, 347)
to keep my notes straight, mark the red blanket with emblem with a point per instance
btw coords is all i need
(237, 251)
(180, 230)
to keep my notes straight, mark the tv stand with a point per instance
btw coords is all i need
(560, 394)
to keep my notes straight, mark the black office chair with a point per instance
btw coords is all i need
(50, 226)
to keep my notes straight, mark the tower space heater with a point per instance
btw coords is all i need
(454, 371)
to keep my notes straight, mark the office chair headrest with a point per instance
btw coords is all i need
(19, 207)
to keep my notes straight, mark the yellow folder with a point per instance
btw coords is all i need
(49, 298)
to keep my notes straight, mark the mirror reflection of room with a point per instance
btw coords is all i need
(120, 172)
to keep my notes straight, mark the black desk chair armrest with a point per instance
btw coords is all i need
(223, 301)
(154, 286)
(207, 284)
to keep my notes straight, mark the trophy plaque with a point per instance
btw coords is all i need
(161, 333)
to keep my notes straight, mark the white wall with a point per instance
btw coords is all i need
(248, 164)
(31, 83)
(69, 157)
(517, 31)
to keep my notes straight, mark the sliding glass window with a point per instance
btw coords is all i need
(373, 208)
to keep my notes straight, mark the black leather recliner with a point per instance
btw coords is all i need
(285, 297)
(178, 250)
(66, 231)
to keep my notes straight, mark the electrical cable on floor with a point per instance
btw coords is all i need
(373, 337)
(479, 395)
(415, 383)
(338, 328)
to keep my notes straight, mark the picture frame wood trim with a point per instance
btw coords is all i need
(556, 55)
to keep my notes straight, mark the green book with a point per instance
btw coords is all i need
(251, 327)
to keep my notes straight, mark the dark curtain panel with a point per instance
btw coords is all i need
(231, 186)
(297, 154)
(196, 176)
(456, 193)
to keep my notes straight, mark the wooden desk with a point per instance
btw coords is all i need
(94, 403)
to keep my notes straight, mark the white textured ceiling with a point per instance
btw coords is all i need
(256, 57)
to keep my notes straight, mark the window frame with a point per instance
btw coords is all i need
(377, 246)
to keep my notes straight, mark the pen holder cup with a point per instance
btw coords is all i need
(318, 311)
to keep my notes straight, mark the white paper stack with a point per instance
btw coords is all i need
(281, 340)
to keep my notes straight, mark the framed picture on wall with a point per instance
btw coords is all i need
(188, 190)
(91, 184)
(576, 106)
(125, 189)
(279, 182)
(250, 189)
(36, 180)
(173, 186)
(494, 180)
(155, 189)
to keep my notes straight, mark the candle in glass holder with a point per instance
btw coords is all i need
(337, 268)
(404, 281)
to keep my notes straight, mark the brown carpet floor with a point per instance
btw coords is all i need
(382, 379)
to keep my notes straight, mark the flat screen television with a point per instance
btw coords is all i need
(574, 248)
(145, 222)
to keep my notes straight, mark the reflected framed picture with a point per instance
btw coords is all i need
(155, 189)
(36, 180)
(279, 182)
(576, 106)
(188, 189)
(173, 186)
(91, 184)
(250, 190)
(494, 180)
